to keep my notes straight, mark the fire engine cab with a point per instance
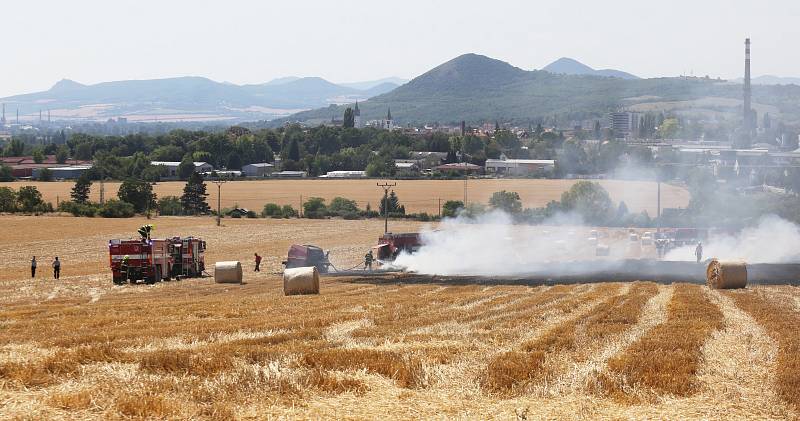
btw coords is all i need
(153, 260)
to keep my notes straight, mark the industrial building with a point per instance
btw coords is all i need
(290, 174)
(460, 167)
(261, 169)
(72, 172)
(520, 167)
(172, 167)
(344, 174)
(623, 123)
(27, 167)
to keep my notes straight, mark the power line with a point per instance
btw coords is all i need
(219, 182)
(386, 187)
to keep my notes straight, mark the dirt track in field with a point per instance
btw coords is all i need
(416, 195)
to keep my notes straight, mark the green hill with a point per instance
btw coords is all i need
(479, 89)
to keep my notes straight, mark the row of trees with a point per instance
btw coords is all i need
(137, 196)
(316, 150)
(27, 199)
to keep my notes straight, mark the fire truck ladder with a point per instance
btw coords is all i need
(187, 257)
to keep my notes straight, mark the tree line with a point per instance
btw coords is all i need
(317, 150)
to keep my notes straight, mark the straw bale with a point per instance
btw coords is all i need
(304, 280)
(726, 275)
(228, 272)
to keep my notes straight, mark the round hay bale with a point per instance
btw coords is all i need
(303, 280)
(726, 275)
(228, 273)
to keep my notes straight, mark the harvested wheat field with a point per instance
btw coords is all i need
(416, 195)
(372, 348)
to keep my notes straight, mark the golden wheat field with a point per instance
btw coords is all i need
(416, 195)
(401, 347)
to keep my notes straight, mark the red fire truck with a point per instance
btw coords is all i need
(153, 260)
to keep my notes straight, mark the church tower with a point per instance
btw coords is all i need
(389, 121)
(357, 117)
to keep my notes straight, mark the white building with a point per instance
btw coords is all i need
(290, 174)
(221, 174)
(519, 166)
(406, 166)
(387, 124)
(344, 174)
(261, 169)
(172, 167)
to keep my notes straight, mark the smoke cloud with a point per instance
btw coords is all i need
(772, 240)
(491, 245)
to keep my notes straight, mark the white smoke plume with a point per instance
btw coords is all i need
(492, 245)
(772, 240)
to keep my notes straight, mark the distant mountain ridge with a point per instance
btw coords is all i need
(570, 66)
(371, 84)
(479, 89)
(192, 97)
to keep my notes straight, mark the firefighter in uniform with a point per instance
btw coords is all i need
(124, 265)
(144, 231)
(258, 263)
(368, 258)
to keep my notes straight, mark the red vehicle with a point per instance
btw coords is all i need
(140, 260)
(188, 257)
(305, 256)
(153, 260)
(390, 245)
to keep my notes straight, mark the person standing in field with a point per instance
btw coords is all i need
(56, 268)
(368, 260)
(698, 252)
(258, 263)
(33, 267)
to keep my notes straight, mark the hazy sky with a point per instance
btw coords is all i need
(239, 41)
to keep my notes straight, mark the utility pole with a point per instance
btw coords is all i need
(102, 187)
(153, 184)
(219, 182)
(658, 211)
(440, 208)
(386, 187)
(300, 210)
(659, 171)
(465, 186)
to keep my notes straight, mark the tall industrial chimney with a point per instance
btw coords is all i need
(4, 114)
(747, 114)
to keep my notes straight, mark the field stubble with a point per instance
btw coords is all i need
(371, 348)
